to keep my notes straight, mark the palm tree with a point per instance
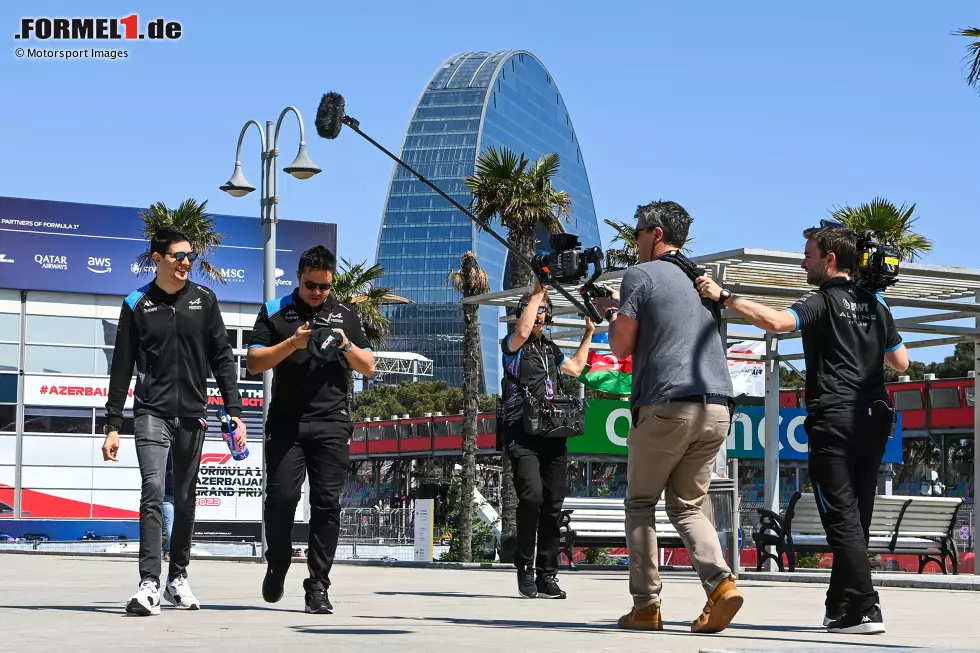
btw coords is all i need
(521, 195)
(470, 280)
(624, 256)
(893, 223)
(193, 219)
(355, 284)
(973, 77)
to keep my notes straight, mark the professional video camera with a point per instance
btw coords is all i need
(876, 264)
(569, 263)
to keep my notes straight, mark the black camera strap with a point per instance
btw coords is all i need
(692, 271)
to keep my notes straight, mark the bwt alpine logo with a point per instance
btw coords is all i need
(235, 275)
(215, 458)
(51, 262)
(97, 29)
(99, 265)
(282, 282)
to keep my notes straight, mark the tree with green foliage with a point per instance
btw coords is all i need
(469, 280)
(415, 399)
(192, 218)
(973, 55)
(522, 197)
(892, 222)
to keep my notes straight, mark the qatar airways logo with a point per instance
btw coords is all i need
(51, 261)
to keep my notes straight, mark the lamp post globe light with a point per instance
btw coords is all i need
(301, 168)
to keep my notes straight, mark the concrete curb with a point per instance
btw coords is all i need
(912, 582)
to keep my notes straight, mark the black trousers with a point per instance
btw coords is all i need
(156, 440)
(540, 469)
(847, 445)
(322, 449)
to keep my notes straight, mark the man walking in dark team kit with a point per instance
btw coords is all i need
(309, 424)
(848, 334)
(172, 330)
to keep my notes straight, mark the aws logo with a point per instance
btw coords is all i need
(215, 458)
(99, 265)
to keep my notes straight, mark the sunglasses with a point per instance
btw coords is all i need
(312, 285)
(541, 309)
(180, 256)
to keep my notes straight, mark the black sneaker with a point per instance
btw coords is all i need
(525, 583)
(272, 584)
(317, 601)
(548, 588)
(853, 623)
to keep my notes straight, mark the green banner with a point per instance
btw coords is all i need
(607, 423)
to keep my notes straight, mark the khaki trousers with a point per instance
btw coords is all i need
(672, 449)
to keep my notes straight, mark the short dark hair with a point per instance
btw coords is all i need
(669, 216)
(165, 237)
(317, 258)
(839, 241)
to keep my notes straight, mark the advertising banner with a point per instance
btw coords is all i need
(91, 248)
(607, 425)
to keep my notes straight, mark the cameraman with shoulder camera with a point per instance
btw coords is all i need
(682, 408)
(532, 363)
(311, 340)
(848, 333)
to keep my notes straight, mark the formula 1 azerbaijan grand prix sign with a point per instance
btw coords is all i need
(607, 425)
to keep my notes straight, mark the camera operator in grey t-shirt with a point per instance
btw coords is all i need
(682, 410)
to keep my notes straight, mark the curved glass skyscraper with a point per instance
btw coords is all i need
(474, 101)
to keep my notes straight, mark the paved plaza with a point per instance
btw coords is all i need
(64, 603)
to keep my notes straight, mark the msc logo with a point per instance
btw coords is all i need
(235, 275)
(99, 265)
(215, 458)
(282, 282)
(51, 262)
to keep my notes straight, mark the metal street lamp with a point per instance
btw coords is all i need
(301, 168)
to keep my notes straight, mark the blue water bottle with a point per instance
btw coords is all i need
(228, 431)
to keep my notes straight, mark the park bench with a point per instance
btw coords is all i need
(601, 522)
(919, 526)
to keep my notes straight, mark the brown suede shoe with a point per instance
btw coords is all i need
(720, 609)
(647, 618)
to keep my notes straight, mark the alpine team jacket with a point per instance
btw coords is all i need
(172, 339)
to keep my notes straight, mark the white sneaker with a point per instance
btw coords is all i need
(179, 593)
(146, 601)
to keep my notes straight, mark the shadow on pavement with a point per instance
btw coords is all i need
(450, 595)
(682, 629)
(313, 630)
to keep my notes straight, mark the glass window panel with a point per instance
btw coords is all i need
(944, 397)
(8, 417)
(10, 358)
(908, 400)
(10, 326)
(67, 360)
(47, 419)
(128, 425)
(71, 330)
(970, 396)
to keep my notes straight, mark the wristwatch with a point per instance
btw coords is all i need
(347, 347)
(610, 313)
(725, 296)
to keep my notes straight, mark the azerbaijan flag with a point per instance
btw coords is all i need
(604, 372)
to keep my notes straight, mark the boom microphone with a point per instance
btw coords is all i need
(330, 115)
(330, 119)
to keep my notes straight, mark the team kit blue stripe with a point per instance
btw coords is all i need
(797, 316)
(273, 306)
(891, 349)
(134, 297)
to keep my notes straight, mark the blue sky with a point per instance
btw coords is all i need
(758, 117)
